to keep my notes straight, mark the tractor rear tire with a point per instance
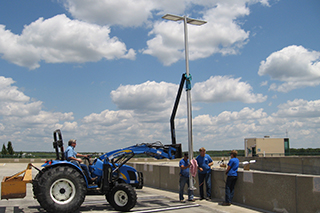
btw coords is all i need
(60, 189)
(35, 184)
(122, 197)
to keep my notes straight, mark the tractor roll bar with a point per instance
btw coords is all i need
(58, 143)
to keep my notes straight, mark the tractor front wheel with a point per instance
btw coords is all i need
(122, 197)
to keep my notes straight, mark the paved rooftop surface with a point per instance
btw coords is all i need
(149, 200)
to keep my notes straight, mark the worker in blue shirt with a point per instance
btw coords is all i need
(232, 172)
(72, 155)
(184, 165)
(204, 172)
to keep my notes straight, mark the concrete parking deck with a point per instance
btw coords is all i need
(149, 200)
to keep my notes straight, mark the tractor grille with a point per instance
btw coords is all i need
(132, 175)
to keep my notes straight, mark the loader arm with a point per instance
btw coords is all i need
(156, 150)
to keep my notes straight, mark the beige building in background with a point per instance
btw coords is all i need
(266, 147)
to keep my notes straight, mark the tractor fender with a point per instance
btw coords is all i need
(55, 163)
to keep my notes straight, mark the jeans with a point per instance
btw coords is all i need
(231, 182)
(84, 168)
(205, 178)
(183, 181)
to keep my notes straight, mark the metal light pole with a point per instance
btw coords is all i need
(186, 21)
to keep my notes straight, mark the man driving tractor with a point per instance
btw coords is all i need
(72, 155)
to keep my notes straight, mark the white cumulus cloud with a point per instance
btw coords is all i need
(299, 108)
(60, 39)
(9, 92)
(295, 65)
(223, 89)
(221, 34)
(145, 97)
(132, 13)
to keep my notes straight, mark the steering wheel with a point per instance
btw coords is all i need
(86, 160)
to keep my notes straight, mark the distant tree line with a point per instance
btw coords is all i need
(302, 151)
(7, 150)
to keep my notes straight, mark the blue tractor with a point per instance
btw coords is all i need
(62, 186)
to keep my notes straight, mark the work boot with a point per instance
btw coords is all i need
(226, 204)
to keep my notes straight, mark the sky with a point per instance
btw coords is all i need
(106, 73)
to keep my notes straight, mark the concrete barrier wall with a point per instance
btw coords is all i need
(22, 160)
(276, 192)
(267, 191)
(161, 176)
(298, 165)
